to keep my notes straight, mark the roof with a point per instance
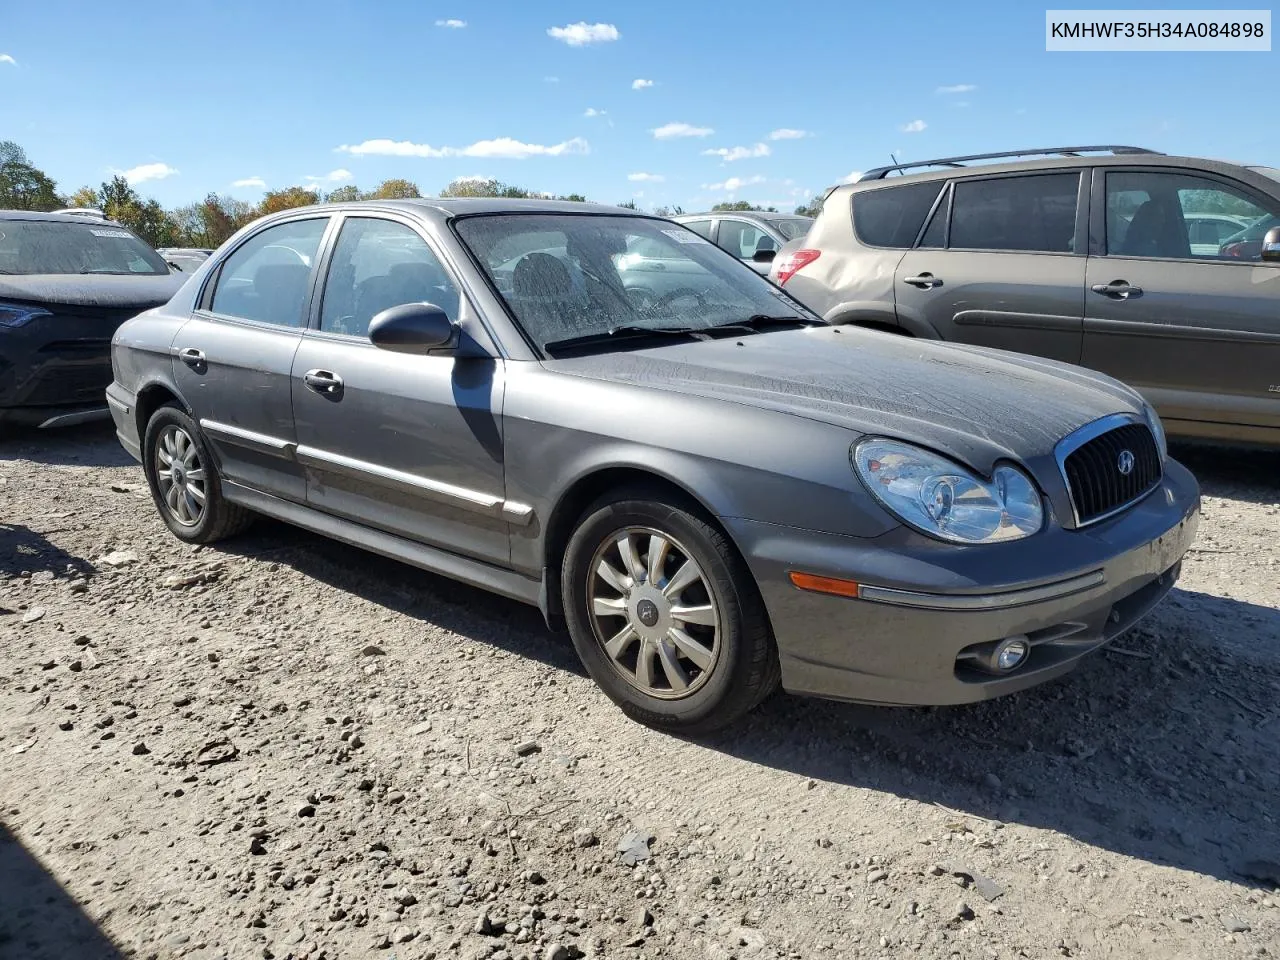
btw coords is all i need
(749, 214)
(54, 217)
(466, 206)
(1050, 163)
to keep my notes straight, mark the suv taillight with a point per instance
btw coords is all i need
(789, 263)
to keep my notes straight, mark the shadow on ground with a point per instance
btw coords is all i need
(1163, 752)
(87, 445)
(38, 919)
(24, 550)
(1240, 473)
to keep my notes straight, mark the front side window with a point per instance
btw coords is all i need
(30, 247)
(378, 264)
(266, 278)
(744, 240)
(892, 216)
(1178, 216)
(1035, 214)
(574, 276)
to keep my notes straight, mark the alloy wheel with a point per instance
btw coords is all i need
(180, 475)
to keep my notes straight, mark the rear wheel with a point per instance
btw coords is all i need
(184, 480)
(665, 615)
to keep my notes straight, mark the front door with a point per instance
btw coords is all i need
(998, 266)
(408, 444)
(744, 240)
(1196, 330)
(234, 358)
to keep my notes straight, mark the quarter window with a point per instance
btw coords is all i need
(1175, 216)
(892, 216)
(378, 264)
(267, 277)
(743, 239)
(1033, 214)
(701, 227)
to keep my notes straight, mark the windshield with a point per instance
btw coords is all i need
(792, 229)
(566, 276)
(46, 246)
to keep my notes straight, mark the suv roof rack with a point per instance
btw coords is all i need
(879, 173)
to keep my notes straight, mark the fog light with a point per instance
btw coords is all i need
(1010, 653)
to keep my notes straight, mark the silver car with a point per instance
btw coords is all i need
(714, 490)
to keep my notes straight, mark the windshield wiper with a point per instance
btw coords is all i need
(626, 331)
(765, 321)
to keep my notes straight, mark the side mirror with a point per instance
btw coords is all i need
(413, 328)
(764, 256)
(1271, 246)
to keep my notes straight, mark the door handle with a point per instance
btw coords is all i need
(192, 357)
(925, 281)
(1117, 290)
(323, 382)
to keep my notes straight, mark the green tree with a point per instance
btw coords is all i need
(469, 187)
(22, 186)
(121, 203)
(287, 199)
(210, 222)
(810, 209)
(628, 205)
(346, 194)
(396, 189)
(84, 197)
(740, 205)
(576, 197)
(665, 211)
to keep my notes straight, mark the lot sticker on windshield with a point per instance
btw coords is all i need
(124, 234)
(685, 236)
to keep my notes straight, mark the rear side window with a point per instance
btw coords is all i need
(892, 216)
(267, 278)
(700, 227)
(1034, 214)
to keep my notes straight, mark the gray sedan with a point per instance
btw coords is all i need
(713, 489)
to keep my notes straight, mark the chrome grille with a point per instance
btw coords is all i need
(1108, 471)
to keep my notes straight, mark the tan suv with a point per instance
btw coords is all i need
(1092, 255)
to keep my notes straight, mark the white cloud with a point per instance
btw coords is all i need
(669, 131)
(148, 171)
(550, 79)
(788, 133)
(473, 178)
(593, 112)
(853, 177)
(734, 184)
(729, 154)
(915, 126)
(5, 58)
(503, 148)
(640, 84)
(451, 24)
(257, 182)
(958, 88)
(333, 176)
(646, 177)
(581, 33)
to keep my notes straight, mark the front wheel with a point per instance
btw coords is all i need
(665, 615)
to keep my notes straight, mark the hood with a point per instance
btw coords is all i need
(973, 404)
(92, 290)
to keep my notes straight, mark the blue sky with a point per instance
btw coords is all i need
(193, 97)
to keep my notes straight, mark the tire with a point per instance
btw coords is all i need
(172, 435)
(725, 653)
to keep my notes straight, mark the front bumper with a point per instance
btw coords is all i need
(1067, 591)
(121, 404)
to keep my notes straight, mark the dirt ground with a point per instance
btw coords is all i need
(284, 747)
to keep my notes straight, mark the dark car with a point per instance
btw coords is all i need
(1093, 255)
(66, 283)
(716, 493)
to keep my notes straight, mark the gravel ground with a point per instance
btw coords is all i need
(284, 747)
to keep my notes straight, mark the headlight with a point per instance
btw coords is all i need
(945, 500)
(1157, 430)
(17, 314)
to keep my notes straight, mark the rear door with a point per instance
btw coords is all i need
(408, 444)
(1196, 329)
(1000, 264)
(233, 358)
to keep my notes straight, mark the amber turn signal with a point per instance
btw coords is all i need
(810, 581)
